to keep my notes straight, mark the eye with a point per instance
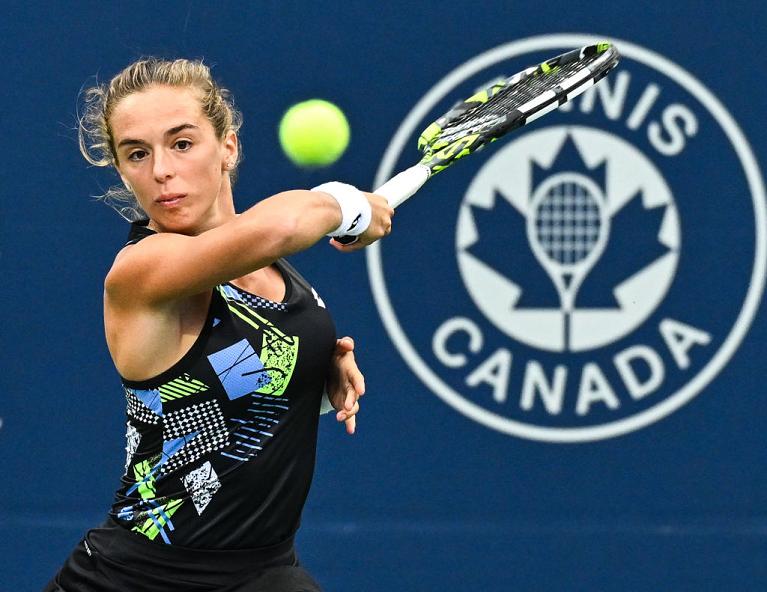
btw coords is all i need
(137, 155)
(183, 145)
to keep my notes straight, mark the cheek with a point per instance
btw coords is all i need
(204, 170)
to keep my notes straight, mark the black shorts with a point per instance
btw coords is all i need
(112, 559)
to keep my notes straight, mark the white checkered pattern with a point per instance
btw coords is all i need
(205, 418)
(232, 292)
(137, 410)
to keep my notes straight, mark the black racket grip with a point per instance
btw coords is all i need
(346, 240)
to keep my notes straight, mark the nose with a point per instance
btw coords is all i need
(163, 167)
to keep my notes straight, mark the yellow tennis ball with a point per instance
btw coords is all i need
(314, 133)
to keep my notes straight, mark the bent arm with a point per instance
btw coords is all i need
(167, 266)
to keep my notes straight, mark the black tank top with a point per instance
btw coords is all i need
(221, 446)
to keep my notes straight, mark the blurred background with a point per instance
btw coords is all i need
(496, 449)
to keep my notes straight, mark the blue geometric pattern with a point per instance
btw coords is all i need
(239, 369)
(192, 432)
(138, 410)
(257, 427)
(150, 398)
(171, 447)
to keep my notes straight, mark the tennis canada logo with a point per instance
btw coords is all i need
(590, 273)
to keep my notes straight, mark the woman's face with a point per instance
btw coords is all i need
(169, 156)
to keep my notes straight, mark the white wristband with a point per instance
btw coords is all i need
(355, 208)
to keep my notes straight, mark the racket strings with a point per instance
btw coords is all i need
(485, 116)
(568, 223)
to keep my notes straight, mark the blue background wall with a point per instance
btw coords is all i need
(422, 498)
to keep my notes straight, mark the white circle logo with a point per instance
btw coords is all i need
(591, 273)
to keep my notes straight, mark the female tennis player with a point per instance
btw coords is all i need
(223, 349)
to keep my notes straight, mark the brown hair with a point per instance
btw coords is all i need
(99, 102)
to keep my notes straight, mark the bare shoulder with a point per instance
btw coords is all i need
(147, 337)
(136, 266)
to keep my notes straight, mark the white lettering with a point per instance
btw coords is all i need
(494, 371)
(624, 362)
(593, 388)
(536, 383)
(448, 329)
(612, 99)
(668, 136)
(643, 106)
(680, 338)
(672, 117)
(640, 367)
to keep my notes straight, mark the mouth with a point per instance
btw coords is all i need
(169, 200)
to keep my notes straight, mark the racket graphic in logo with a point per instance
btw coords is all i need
(568, 232)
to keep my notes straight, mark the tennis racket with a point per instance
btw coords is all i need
(495, 111)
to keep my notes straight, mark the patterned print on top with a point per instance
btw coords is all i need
(276, 361)
(232, 293)
(239, 369)
(138, 408)
(183, 386)
(192, 432)
(201, 484)
(132, 440)
(256, 426)
(150, 516)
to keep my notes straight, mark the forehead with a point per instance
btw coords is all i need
(154, 110)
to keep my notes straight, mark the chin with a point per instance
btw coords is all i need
(178, 222)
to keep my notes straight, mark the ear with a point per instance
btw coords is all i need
(231, 149)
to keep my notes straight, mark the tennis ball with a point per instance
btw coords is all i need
(314, 133)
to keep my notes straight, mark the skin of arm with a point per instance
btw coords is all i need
(158, 290)
(168, 266)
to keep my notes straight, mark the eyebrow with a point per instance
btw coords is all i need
(172, 131)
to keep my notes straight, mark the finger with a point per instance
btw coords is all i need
(336, 245)
(351, 425)
(358, 383)
(345, 414)
(351, 398)
(345, 344)
(346, 248)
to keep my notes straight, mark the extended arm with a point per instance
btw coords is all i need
(167, 266)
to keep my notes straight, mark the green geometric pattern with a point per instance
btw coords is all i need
(279, 352)
(156, 516)
(183, 386)
(145, 478)
(156, 522)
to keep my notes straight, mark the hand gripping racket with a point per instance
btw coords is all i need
(496, 110)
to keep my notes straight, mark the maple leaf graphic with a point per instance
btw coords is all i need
(503, 246)
(632, 245)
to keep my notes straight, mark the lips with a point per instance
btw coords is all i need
(169, 200)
